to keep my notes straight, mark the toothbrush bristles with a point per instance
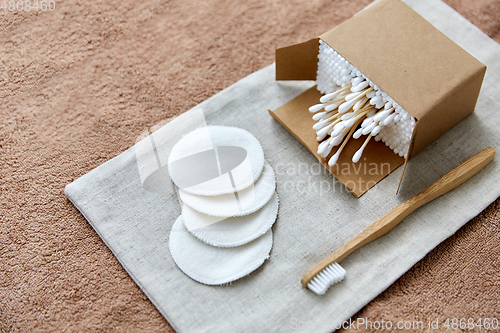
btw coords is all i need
(330, 275)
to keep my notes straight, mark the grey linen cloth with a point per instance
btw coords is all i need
(316, 216)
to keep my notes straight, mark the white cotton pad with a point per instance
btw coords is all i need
(213, 265)
(244, 202)
(231, 231)
(215, 160)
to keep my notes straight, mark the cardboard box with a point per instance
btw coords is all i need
(430, 76)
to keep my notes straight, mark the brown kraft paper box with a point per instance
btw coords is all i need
(425, 72)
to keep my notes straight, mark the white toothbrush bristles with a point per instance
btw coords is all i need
(332, 274)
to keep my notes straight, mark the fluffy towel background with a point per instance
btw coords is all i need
(79, 84)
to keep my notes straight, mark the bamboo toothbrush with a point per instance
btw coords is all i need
(328, 272)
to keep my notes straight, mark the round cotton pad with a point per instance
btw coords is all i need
(215, 160)
(242, 203)
(231, 231)
(213, 265)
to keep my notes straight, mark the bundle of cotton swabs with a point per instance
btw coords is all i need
(357, 107)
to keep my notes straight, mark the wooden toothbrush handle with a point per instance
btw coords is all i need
(384, 224)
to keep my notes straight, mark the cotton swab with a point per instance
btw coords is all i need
(331, 96)
(333, 160)
(369, 128)
(316, 108)
(360, 86)
(357, 155)
(333, 106)
(359, 104)
(320, 115)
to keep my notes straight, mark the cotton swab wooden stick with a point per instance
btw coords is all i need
(338, 99)
(328, 272)
(358, 154)
(360, 104)
(335, 156)
(328, 97)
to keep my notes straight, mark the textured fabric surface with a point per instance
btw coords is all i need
(214, 265)
(231, 231)
(79, 85)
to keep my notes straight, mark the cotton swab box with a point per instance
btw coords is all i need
(389, 74)
(216, 160)
(231, 231)
(213, 265)
(242, 203)
(350, 100)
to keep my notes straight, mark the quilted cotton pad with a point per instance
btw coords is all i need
(212, 265)
(231, 231)
(216, 160)
(242, 203)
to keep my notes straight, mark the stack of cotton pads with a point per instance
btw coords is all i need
(229, 204)
(352, 106)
